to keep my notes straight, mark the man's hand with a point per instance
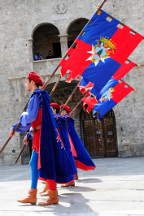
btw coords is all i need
(25, 141)
(11, 134)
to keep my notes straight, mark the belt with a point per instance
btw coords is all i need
(36, 129)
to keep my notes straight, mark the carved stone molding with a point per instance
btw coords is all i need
(61, 8)
(30, 42)
(63, 38)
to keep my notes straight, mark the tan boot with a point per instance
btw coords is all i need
(76, 176)
(69, 184)
(47, 193)
(32, 197)
(52, 199)
(46, 188)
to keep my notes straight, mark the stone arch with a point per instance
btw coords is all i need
(46, 38)
(63, 91)
(74, 29)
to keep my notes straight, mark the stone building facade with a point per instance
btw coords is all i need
(43, 25)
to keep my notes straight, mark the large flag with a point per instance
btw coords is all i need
(107, 89)
(111, 98)
(120, 73)
(100, 51)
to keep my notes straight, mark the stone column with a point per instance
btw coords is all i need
(30, 50)
(64, 44)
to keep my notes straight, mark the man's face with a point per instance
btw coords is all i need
(28, 85)
(54, 111)
(63, 113)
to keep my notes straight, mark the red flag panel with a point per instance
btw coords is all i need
(123, 70)
(121, 91)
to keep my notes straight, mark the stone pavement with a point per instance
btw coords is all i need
(114, 188)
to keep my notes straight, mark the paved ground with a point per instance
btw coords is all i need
(115, 188)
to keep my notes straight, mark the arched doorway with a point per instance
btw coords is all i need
(99, 138)
(46, 39)
(75, 29)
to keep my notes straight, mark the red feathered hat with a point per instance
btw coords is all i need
(36, 78)
(67, 108)
(55, 105)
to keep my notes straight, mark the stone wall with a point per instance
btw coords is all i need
(19, 20)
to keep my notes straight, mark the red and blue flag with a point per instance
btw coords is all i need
(111, 98)
(107, 90)
(100, 51)
(120, 73)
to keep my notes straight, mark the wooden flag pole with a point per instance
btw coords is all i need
(77, 105)
(139, 66)
(50, 77)
(20, 153)
(52, 91)
(101, 5)
(9, 138)
(69, 98)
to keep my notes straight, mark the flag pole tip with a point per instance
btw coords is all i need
(135, 91)
(139, 66)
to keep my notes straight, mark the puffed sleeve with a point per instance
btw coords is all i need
(32, 111)
(21, 128)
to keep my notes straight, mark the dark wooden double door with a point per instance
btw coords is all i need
(99, 138)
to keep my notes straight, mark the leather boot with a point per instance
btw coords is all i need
(32, 197)
(47, 193)
(69, 184)
(46, 188)
(76, 176)
(52, 199)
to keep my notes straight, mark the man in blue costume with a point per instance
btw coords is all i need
(62, 130)
(63, 136)
(82, 158)
(49, 160)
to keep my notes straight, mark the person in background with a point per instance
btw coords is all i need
(49, 56)
(62, 129)
(82, 158)
(38, 56)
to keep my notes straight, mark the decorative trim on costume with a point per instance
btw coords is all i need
(83, 166)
